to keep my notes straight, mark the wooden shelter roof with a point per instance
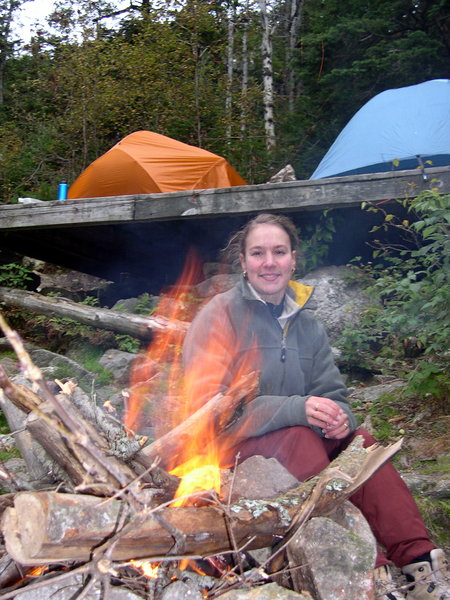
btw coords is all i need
(136, 235)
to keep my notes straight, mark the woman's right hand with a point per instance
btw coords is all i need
(328, 415)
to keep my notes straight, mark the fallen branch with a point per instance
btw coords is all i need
(127, 323)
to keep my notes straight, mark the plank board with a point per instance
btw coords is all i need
(309, 195)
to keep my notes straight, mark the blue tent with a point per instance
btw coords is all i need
(410, 125)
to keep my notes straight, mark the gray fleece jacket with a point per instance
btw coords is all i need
(292, 354)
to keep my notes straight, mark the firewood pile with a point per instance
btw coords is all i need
(111, 516)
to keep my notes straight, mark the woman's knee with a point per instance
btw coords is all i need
(369, 440)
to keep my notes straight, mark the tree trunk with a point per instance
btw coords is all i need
(293, 19)
(244, 83)
(102, 318)
(230, 59)
(266, 48)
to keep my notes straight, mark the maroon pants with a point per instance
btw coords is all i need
(384, 500)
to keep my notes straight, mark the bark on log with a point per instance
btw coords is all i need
(102, 318)
(46, 527)
(72, 456)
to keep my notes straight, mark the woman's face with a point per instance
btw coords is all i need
(268, 260)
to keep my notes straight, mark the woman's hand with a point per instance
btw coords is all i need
(329, 416)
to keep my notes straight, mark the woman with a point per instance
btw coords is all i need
(302, 416)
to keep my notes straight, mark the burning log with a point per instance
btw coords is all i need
(45, 527)
(102, 318)
(222, 410)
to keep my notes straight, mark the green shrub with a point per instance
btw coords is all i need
(15, 276)
(409, 283)
(127, 343)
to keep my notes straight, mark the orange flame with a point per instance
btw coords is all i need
(36, 571)
(167, 396)
(146, 567)
(146, 378)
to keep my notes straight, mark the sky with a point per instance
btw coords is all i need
(31, 12)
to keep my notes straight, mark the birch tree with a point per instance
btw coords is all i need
(230, 60)
(267, 66)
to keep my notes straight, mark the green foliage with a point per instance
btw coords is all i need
(15, 276)
(381, 413)
(409, 285)
(315, 240)
(127, 343)
(88, 357)
(430, 379)
(3, 424)
(145, 304)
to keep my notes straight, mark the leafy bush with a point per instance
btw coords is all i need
(127, 343)
(409, 282)
(315, 240)
(15, 276)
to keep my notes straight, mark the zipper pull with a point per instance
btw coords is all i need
(283, 350)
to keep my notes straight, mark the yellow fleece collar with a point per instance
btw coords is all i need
(302, 292)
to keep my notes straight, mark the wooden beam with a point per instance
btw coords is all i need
(335, 192)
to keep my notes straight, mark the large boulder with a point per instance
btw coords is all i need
(340, 300)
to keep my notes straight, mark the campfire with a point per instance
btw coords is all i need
(141, 514)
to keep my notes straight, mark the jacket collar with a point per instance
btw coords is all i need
(299, 295)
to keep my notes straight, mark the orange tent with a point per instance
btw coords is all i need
(145, 162)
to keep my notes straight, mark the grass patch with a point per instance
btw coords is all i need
(4, 429)
(88, 356)
(436, 515)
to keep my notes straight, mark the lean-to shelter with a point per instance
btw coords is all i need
(145, 162)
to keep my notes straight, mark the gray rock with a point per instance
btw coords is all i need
(258, 477)
(339, 303)
(338, 561)
(216, 284)
(125, 305)
(179, 590)
(372, 393)
(70, 587)
(62, 366)
(270, 591)
(71, 284)
(120, 364)
(10, 365)
(428, 485)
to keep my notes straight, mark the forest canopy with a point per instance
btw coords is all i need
(261, 83)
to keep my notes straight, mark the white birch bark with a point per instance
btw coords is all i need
(230, 59)
(266, 48)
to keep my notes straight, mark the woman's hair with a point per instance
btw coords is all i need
(237, 242)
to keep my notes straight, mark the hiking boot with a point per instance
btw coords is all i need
(431, 578)
(385, 588)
